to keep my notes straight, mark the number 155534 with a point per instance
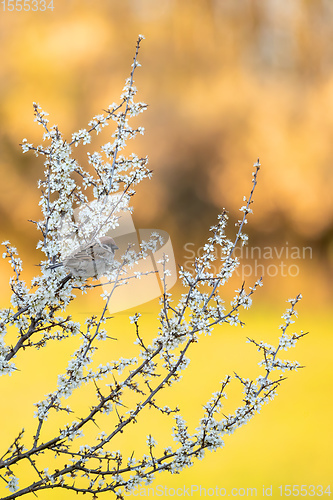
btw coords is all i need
(26, 5)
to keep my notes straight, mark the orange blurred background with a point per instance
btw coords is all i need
(226, 82)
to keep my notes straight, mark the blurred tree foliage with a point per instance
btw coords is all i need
(225, 81)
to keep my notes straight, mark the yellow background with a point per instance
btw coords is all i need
(226, 82)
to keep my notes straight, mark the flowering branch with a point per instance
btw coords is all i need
(74, 241)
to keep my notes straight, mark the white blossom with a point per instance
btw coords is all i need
(12, 484)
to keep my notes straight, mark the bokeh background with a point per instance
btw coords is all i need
(226, 82)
